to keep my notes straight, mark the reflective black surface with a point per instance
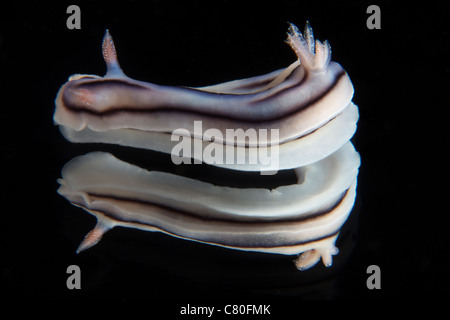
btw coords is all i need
(399, 222)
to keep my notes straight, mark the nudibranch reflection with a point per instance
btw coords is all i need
(308, 103)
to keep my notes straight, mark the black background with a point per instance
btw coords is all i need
(400, 74)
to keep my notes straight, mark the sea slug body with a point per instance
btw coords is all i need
(308, 105)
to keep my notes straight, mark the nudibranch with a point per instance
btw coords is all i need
(309, 106)
(308, 103)
(287, 220)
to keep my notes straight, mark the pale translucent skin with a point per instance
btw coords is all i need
(296, 153)
(287, 220)
(298, 101)
(309, 102)
(320, 185)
